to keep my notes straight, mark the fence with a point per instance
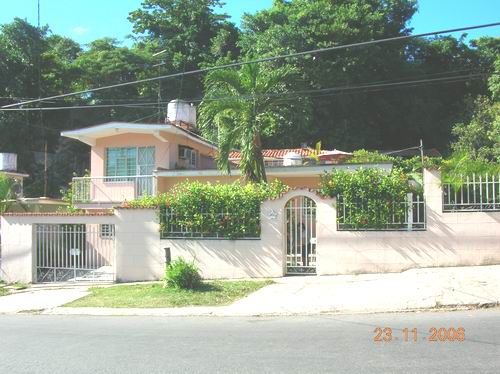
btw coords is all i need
(477, 193)
(112, 189)
(210, 225)
(75, 252)
(408, 215)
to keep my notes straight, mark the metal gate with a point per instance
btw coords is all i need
(300, 235)
(74, 252)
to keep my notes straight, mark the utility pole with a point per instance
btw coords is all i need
(160, 111)
(44, 134)
(421, 147)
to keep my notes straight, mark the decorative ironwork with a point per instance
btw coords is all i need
(300, 240)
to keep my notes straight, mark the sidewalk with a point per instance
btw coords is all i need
(415, 289)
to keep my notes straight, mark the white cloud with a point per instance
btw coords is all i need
(80, 30)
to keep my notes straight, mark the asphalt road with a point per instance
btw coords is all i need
(340, 344)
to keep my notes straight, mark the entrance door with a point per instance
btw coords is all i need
(300, 228)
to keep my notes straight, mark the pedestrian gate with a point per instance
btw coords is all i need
(300, 235)
(74, 252)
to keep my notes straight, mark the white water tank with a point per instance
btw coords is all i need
(181, 111)
(8, 161)
(292, 159)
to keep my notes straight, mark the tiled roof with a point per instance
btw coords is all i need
(280, 153)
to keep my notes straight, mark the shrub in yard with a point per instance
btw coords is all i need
(182, 274)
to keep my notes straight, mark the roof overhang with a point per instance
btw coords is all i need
(14, 174)
(89, 135)
(285, 171)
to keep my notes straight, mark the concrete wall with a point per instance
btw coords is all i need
(18, 263)
(451, 239)
(139, 255)
(239, 258)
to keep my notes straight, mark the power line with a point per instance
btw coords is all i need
(260, 60)
(370, 86)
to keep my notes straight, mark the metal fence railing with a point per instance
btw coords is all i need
(74, 252)
(210, 225)
(477, 193)
(112, 189)
(408, 215)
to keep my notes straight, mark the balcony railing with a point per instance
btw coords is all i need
(88, 190)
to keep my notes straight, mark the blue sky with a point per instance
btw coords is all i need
(86, 20)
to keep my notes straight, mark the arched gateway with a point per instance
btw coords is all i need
(300, 238)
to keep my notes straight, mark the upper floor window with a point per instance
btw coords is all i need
(130, 161)
(188, 157)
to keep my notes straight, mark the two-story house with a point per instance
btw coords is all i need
(129, 160)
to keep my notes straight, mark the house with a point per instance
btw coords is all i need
(130, 160)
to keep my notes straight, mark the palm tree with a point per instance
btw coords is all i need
(239, 106)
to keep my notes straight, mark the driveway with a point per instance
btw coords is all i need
(409, 290)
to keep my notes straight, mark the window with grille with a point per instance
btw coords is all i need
(130, 161)
(107, 231)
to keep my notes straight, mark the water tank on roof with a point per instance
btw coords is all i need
(181, 111)
(292, 159)
(8, 161)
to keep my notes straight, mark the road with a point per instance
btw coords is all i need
(328, 344)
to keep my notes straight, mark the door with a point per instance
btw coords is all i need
(300, 238)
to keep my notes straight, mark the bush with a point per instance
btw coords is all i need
(182, 274)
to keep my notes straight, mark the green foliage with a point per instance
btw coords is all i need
(241, 106)
(363, 156)
(371, 197)
(212, 210)
(6, 192)
(182, 274)
(480, 137)
(462, 165)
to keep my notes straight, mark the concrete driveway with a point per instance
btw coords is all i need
(410, 290)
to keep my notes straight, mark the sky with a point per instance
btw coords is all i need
(87, 20)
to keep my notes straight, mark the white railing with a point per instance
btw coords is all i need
(408, 215)
(74, 252)
(112, 189)
(477, 193)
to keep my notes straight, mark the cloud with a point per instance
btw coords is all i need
(80, 30)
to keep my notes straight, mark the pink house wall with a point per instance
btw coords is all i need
(166, 152)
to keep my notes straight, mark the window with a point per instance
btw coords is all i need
(107, 231)
(187, 157)
(130, 161)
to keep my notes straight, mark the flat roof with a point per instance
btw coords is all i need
(89, 135)
(282, 171)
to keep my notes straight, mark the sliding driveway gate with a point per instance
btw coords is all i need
(74, 252)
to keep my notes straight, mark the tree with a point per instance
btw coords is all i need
(376, 118)
(6, 192)
(242, 105)
(191, 33)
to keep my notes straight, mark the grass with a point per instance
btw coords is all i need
(154, 295)
(3, 290)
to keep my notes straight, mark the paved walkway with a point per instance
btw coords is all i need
(411, 290)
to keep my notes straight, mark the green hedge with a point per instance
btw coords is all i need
(368, 198)
(205, 210)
